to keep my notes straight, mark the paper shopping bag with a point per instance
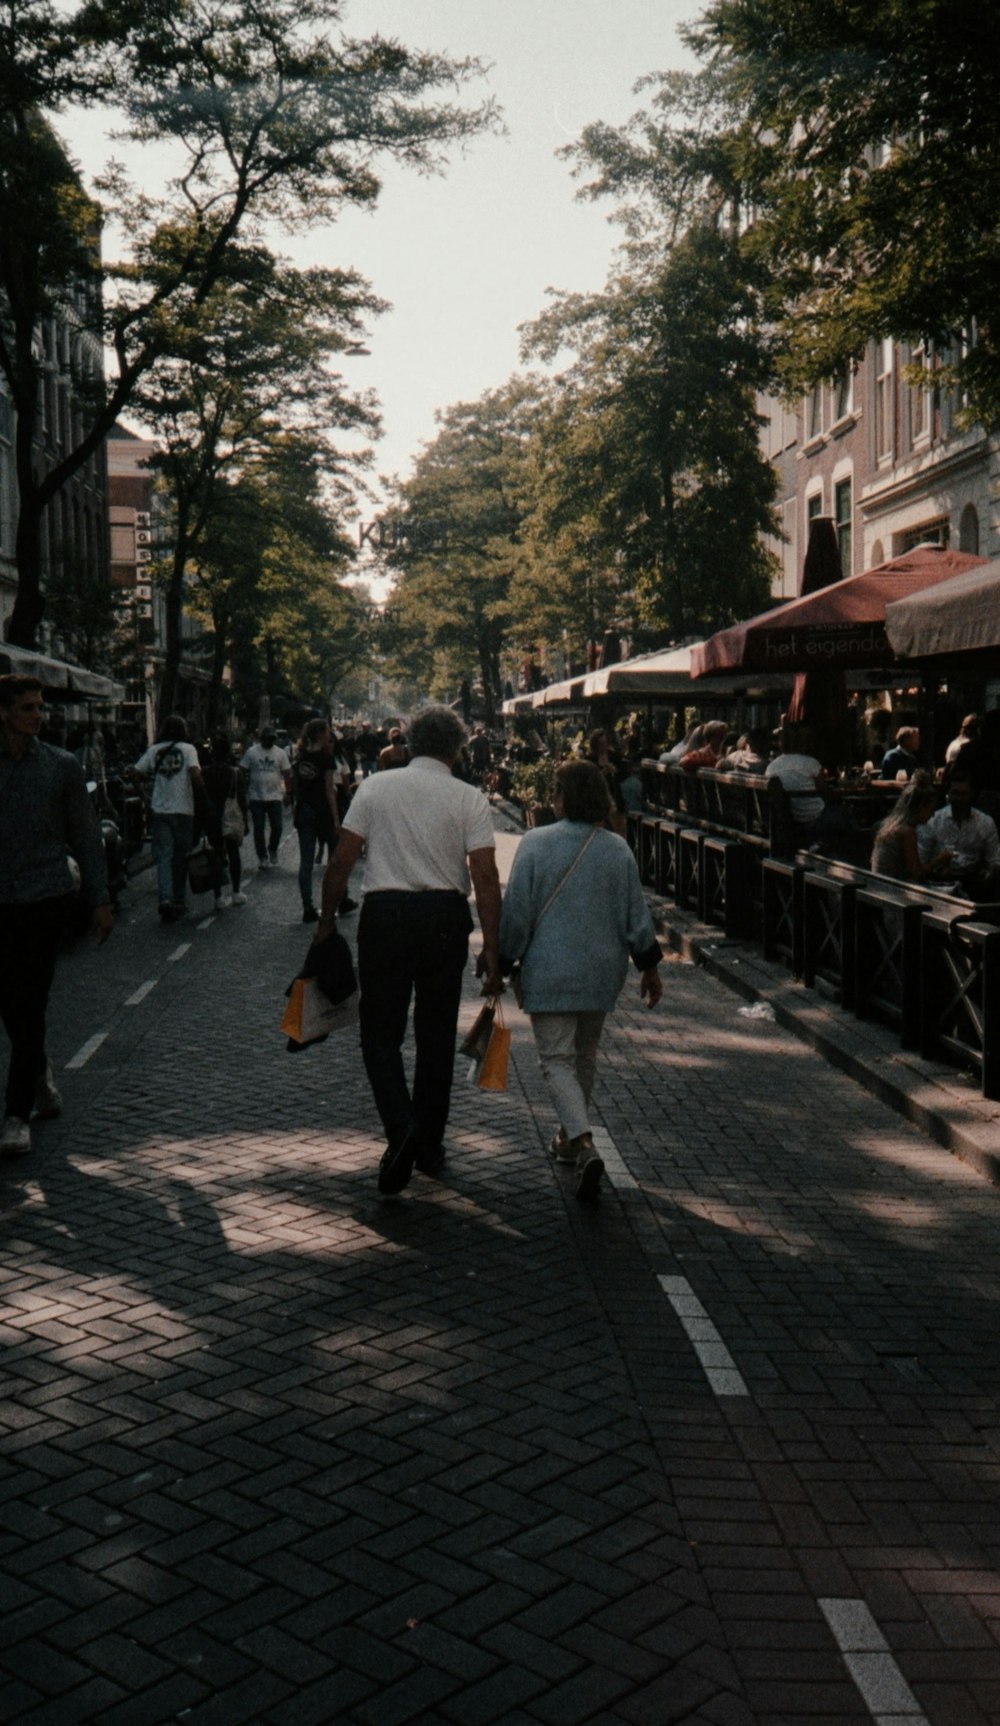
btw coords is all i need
(493, 1072)
(311, 1017)
(475, 1042)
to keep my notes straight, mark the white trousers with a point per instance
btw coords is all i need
(567, 1045)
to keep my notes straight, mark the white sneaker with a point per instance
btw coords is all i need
(222, 904)
(48, 1101)
(15, 1138)
(238, 899)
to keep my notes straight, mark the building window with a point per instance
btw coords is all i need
(883, 400)
(814, 412)
(842, 514)
(814, 507)
(842, 394)
(919, 398)
(968, 530)
(929, 533)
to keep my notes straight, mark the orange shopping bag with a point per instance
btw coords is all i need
(493, 1072)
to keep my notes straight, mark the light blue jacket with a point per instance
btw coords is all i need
(578, 958)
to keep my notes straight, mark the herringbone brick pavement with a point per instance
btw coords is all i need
(277, 1450)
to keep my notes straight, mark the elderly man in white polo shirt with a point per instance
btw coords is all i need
(425, 833)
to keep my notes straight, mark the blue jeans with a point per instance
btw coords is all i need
(309, 836)
(171, 837)
(264, 815)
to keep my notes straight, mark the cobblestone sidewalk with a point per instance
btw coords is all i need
(723, 1448)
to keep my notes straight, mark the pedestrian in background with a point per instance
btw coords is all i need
(424, 834)
(224, 784)
(573, 913)
(269, 784)
(46, 816)
(314, 790)
(172, 764)
(395, 753)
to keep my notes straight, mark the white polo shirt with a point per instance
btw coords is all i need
(419, 824)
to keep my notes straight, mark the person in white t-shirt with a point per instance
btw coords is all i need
(172, 763)
(425, 833)
(800, 773)
(269, 786)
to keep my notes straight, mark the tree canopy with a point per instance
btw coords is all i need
(450, 601)
(275, 119)
(863, 140)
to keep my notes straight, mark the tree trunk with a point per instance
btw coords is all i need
(486, 672)
(29, 604)
(172, 654)
(220, 622)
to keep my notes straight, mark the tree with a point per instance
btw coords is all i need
(268, 581)
(276, 121)
(450, 602)
(867, 146)
(252, 370)
(665, 474)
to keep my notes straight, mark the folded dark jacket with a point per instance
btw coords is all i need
(331, 964)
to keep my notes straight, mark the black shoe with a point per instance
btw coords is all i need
(589, 1171)
(310, 914)
(347, 905)
(396, 1166)
(430, 1160)
(166, 911)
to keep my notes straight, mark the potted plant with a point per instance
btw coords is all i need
(531, 787)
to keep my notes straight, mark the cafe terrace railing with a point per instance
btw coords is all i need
(915, 958)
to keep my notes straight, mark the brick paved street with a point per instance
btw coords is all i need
(724, 1448)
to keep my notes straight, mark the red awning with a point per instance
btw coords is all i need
(841, 625)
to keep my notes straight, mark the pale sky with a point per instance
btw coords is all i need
(467, 257)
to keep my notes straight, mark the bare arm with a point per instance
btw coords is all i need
(335, 879)
(486, 887)
(330, 788)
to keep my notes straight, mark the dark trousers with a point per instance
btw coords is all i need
(267, 819)
(29, 938)
(412, 946)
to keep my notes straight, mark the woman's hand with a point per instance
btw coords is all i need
(650, 987)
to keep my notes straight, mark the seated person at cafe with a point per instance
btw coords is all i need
(631, 786)
(903, 758)
(896, 851)
(963, 840)
(692, 739)
(749, 756)
(967, 732)
(979, 757)
(709, 751)
(800, 773)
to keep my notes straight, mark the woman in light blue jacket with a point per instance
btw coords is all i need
(573, 914)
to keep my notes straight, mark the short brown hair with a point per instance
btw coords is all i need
(584, 791)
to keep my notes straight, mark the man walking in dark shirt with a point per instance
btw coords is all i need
(45, 817)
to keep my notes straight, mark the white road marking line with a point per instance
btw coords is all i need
(884, 1690)
(720, 1367)
(178, 953)
(613, 1162)
(206, 922)
(142, 992)
(83, 1055)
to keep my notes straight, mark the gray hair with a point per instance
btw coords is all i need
(437, 731)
